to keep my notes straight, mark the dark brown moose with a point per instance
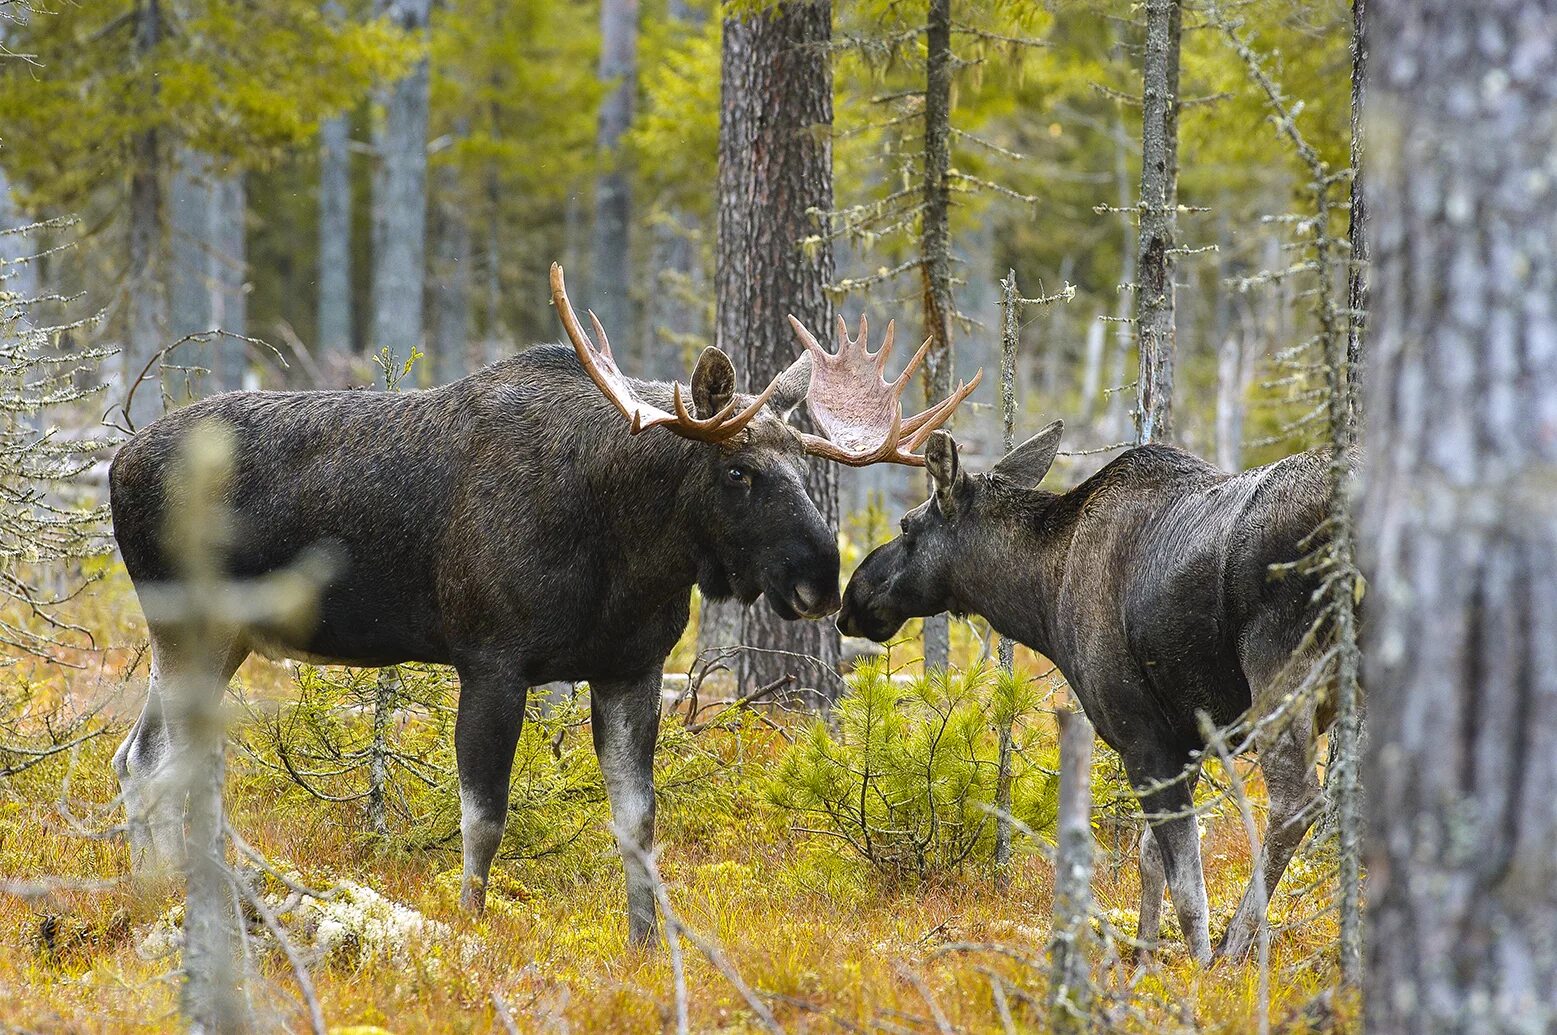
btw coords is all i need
(1162, 588)
(522, 525)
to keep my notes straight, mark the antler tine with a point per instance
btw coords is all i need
(807, 338)
(883, 353)
(908, 371)
(605, 343)
(919, 426)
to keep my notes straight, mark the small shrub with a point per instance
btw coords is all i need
(906, 774)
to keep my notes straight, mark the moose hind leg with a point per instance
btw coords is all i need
(1154, 881)
(1286, 757)
(1168, 806)
(625, 719)
(486, 733)
(154, 796)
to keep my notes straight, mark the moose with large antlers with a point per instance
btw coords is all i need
(542, 519)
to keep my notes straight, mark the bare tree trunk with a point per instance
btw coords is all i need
(400, 197)
(1357, 224)
(610, 260)
(1154, 291)
(335, 310)
(678, 299)
(451, 286)
(1092, 372)
(1459, 520)
(1070, 983)
(230, 275)
(146, 302)
(1117, 419)
(935, 252)
(1343, 363)
(775, 166)
(206, 268)
(1010, 335)
(191, 218)
(1230, 386)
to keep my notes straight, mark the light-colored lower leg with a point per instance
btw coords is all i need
(1154, 882)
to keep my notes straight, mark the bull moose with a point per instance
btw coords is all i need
(1161, 587)
(519, 525)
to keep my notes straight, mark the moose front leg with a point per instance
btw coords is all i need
(486, 732)
(625, 719)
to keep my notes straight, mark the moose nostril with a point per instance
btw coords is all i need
(815, 599)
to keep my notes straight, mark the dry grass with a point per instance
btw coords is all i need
(807, 926)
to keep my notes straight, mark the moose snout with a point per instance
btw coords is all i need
(816, 599)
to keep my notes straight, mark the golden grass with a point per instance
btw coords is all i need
(805, 924)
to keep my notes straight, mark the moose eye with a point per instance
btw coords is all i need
(738, 476)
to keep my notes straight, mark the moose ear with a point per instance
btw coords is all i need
(713, 383)
(793, 384)
(1029, 462)
(940, 459)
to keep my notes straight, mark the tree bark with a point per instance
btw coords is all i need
(775, 167)
(1154, 290)
(935, 253)
(146, 301)
(1357, 220)
(1458, 528)
(610, 259)
(334, 339)
(400, 198)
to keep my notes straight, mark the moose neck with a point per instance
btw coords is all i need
(1018, 599)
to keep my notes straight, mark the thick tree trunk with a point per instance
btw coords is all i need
(146, 303)
(335, 310)
(400, 198)
(1154, 291)
(775, 166)
(935, 252)
(610, 259)
(1459, 523)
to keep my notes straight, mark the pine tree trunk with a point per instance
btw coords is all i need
(1154, 291)
(400, 198)
(775, 166)
(335, 310)
(610, 258)
(935, 252)
(146, 302)
(1458, 528)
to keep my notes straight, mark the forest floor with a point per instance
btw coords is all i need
(822, 938)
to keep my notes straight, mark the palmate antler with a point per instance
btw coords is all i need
(859, 411)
